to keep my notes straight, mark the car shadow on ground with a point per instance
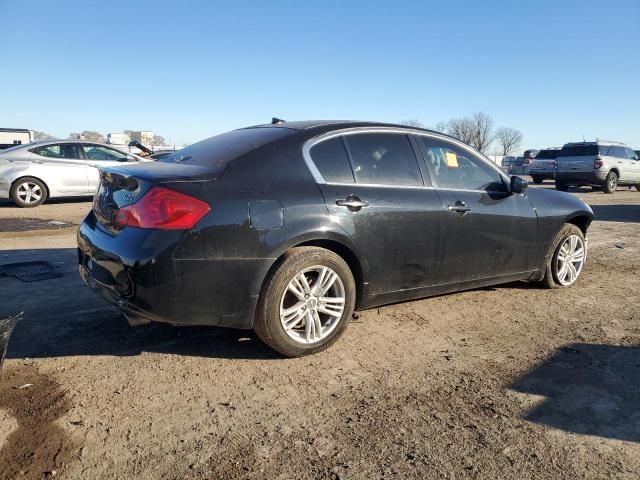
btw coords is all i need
(4, 203)
(590, 389)
(62, 317)
(617, 213)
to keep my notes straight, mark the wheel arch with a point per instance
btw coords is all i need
(46, 186)
(615, 170)
(580, 220)
(337, 245)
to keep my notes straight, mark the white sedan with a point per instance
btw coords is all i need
(31, 173)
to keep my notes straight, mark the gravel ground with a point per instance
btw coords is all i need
(505, 382)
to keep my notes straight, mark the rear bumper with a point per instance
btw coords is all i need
(592, 177)
(548, 172)
(136, 271)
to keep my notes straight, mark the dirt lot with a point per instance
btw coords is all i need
(506, 382)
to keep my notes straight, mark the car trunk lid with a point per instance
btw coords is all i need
(123, 186)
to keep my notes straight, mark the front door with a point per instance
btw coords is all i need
(489, 233)
(66, 172)
(375, 190)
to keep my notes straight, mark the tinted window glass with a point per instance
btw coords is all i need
(97, 152)
(617, 152)
(219, 150)
(383, 158)
(631, 154)
(579, 150)
(455, 167)
(61, 150)
(547, 154)
(331, 159)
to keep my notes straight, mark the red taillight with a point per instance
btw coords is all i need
(163, 209)
(597, 163)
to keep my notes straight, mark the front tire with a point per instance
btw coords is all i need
(537, 180)
(566, 258)
(611, 183)
(28, 192)
(306, 302)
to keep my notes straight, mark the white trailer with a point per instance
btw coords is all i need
(10, 137)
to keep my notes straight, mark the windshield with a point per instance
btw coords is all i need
(221, 149)
(547, 154)
(579, 150)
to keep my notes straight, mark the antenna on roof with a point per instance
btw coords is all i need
(276, 121)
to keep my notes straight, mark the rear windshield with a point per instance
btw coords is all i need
(219, 150)
(547, 154)
(580, 150)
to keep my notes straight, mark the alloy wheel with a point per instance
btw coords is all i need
(29, 193)
(312, 304)
(570, 259)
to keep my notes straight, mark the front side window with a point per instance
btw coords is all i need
(58, 150)
(631, 154)
(456, 168)
(331, 159)
(383, 159)
(97, 152)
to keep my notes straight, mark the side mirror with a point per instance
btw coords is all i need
(518, 185)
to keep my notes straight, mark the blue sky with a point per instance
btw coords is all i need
(556, 70)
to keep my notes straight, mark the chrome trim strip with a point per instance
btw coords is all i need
(309, 144)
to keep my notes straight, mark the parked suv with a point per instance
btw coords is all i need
(544, 165)
(599, 164)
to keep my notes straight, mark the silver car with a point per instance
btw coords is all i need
(31, 173)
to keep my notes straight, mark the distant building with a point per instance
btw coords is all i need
(10, 137)
(145, 138)
(118, 139)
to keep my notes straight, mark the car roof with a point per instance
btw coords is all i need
(329, 125)
(597, 142)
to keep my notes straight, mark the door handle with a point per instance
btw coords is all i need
(459, 207)
(352, 203)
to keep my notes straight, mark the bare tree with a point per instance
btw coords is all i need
(509, 139)
(413, 123)
(441, 127)
(462, 129)
(87, 135)
(38, 135)
(482, 131)
(157, 140)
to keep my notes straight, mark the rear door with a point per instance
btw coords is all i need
(489, 233)
(65, 171)
(375, 189)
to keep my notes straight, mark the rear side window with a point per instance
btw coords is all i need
(579, 150)
(60, 150)
(331, 159)
(384, 159)
(618, 152)
(219, 150)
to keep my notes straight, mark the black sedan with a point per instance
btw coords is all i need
(287, 228)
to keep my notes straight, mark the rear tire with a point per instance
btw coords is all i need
(537, 180)
(28, 192)
(553, 277)
(638, 187)
(563, 187)
(611, 183)
(288, 298)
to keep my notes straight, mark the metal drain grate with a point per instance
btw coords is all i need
(30, 271)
